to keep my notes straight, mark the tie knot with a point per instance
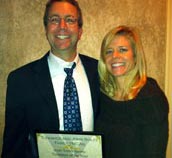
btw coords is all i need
(69, 71)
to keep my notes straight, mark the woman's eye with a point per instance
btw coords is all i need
(123, 50)
(109, 51)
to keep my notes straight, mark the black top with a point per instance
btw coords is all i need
(136, 128)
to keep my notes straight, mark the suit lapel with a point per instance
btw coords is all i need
(90, 67)
(45, 88)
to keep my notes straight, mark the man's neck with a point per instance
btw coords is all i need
(66, 56)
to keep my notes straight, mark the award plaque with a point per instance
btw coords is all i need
(69, 145)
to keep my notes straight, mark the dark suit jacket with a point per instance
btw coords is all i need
(31, 105)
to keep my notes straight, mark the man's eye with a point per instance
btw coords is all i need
(70, 20)
(55, 20)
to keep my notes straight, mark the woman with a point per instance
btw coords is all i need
(134, 110)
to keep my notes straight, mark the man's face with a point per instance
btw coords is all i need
(63, 33)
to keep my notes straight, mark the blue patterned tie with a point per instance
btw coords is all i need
(71, 110)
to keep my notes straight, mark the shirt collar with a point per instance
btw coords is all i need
(57, 65)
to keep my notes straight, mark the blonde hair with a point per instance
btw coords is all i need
(136, 78)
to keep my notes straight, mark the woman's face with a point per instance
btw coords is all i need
(119, 57)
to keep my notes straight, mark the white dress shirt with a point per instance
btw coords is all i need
(56, 66)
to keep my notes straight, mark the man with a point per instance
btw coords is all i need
(34, 98)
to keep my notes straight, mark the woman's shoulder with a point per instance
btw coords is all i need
(151, 88)
(155, 103)
(152, 91)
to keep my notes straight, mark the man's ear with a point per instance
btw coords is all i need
(80, 33)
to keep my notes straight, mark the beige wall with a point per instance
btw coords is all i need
(22, 37)
(168, 78)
